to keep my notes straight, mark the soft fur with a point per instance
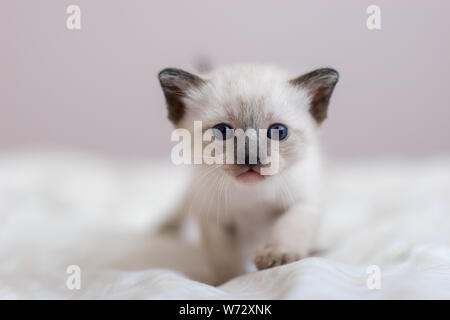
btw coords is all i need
(272, 221)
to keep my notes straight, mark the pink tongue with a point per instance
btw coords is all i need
(250, 176)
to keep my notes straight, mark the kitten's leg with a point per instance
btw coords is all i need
(223, 252)
(291, 238)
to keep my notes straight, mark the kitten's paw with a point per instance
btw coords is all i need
(274, 255)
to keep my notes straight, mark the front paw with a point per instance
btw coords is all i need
(272, 255)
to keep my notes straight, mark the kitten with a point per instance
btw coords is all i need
(244, 215)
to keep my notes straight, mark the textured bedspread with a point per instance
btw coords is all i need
(58, 210)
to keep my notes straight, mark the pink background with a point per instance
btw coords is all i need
(96, 89)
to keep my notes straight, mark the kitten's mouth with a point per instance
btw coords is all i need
(250, 175)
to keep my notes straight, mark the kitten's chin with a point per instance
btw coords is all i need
(250, 176)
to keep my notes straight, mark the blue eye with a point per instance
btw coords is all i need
(222, 131)
(282, 131)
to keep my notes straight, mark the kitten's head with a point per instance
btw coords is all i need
(248, 97)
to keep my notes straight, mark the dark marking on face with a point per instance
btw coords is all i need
(175, 83)
(320, 84)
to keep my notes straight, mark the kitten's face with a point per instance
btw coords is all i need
(253, 100)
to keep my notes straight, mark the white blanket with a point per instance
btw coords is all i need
(58, 210)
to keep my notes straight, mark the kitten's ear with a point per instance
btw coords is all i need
(175, 83)
(320, 85)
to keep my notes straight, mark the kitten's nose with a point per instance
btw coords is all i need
(250, 155)
(251, 160)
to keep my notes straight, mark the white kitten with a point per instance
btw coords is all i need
(243, 215)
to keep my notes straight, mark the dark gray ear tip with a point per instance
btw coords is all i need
(335, 74)
(171, 76)
(323, 77)
(168, 73)
(330, 73)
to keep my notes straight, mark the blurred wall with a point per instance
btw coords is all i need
(96, 88)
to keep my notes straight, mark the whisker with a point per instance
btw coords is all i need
(200, 182)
